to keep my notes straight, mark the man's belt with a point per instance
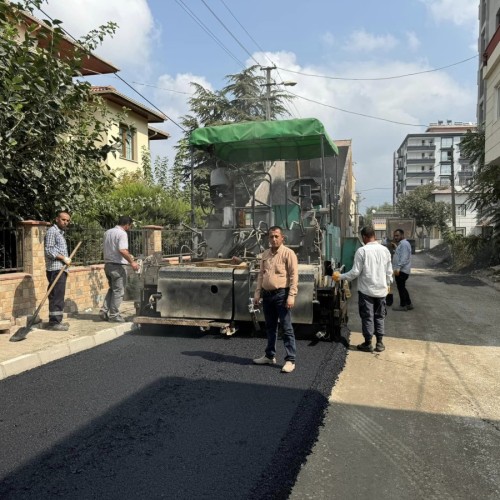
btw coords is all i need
(274, 292)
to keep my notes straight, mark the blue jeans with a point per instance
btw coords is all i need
(274, 306)
(117, 279)
(372, 311)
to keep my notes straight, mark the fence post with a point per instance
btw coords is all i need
(152, 239)
(33, 248)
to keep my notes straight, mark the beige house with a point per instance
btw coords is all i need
(134, 131)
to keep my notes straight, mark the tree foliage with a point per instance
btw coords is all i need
(145, 202)
(52, 146)
(420, 205)
(484, 191)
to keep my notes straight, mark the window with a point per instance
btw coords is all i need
(445, 170)
(128, 140)
(445, 155)
(447, 142)
(461, 210)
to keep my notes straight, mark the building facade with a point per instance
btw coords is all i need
(134, 131)
(488, 107)
(434, 157)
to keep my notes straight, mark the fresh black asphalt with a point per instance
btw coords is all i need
(181, 415)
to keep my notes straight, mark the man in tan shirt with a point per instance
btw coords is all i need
(277, 286)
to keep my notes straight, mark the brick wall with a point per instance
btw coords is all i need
(21, 293)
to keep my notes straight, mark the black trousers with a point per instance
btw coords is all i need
(56, 296)
(404, 296)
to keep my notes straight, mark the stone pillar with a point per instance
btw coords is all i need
(152, 239)
(33, 248)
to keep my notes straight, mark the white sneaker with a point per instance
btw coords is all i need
(265, 361)
(288, 367)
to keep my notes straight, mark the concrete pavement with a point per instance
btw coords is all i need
(41, 346)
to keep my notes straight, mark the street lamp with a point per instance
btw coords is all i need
(268, 85)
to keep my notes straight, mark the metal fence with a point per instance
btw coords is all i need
(11, 249)
(173, 243)
(92, 238)
(176, 241)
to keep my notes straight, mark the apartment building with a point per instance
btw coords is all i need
(488, 106)
(434, 157)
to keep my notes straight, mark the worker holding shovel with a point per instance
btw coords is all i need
(56, 257)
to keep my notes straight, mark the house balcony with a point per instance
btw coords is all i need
(425, 173)
(427, 147)
(421, 161)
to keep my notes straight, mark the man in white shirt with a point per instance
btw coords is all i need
(372, 266)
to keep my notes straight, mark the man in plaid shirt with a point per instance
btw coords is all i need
(56, 257)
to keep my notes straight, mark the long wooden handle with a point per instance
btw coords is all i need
(55, 281)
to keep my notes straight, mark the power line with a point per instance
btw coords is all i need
(208, 31)
(115, 74)
(230, 32)
(382, 77)
(287, 104)
(358, 114)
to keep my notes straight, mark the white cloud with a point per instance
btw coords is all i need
(412, 40)
(459, 12)
(131, 47)
(363, 41)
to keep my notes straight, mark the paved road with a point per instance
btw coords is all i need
(422, 419)
(163, 416)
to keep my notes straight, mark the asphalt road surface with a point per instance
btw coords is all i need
(182, 415)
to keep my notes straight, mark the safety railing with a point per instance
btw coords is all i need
(11, 249)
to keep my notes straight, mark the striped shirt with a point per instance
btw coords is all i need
(278, 270)
(55, 244)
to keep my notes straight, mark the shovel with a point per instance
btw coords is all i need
(32, 320)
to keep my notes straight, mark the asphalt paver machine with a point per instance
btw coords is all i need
(264, 173)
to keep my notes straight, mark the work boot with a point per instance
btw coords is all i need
(116, 319)
(379, 346)
(264, 360)
(103, 315)
(59, 327)
(409, 307)
(366, 346)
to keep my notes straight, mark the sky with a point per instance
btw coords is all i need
(330, 48)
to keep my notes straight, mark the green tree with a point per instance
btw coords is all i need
(420, 205)
(52, 146)
(145, 203)
(484, 191)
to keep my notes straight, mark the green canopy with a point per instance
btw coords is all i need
(248, 142)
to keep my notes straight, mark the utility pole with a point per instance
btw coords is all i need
(452, 185)
(268, 84)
